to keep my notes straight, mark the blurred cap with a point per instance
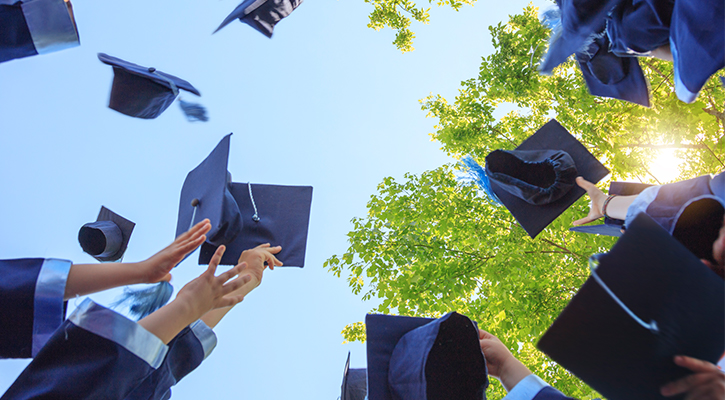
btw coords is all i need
(424, 358)
(648, 300)
(142, 92)
(612, 226)
(261, 15)
(698, 225)
(35, 27)
(354, 382)
(609, 75)
(106, 239)
(536, 182)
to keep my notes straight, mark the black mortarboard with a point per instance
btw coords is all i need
(613, 226)
(424, 358)
(609, 75)
(244, 215)
(648, 300)
(261, 15)
(145, 92)
(35, 27)
(354, 382)
(107, 238)
(698, 225)
(536, 182)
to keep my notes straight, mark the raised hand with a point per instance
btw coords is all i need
(257, 257)
(596, 197)
(707, 382)
(157, 267)
(500, 362)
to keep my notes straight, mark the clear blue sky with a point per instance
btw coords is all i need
(326, 102)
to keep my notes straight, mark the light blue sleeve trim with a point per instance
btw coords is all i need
(205, 335)
(115, 327)
(683, 93)
(527, 388)
(48, 312)
(51, 25)
(640, 203)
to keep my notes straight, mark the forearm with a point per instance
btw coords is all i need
(617, 207)
(166, 322)
(513, 373)
(90, 278)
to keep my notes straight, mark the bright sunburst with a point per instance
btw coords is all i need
(666, 167)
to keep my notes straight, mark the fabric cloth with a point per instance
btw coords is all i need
(534, 388)
(31, 304)
(91, 346)
(186, 352)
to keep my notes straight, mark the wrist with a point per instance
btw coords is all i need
(512, 372)
(606, 204)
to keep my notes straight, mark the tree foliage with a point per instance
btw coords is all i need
(431, 243)
(397, 14)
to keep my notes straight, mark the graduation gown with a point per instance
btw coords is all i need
(186, 352)
(96, 353)
(31, 304)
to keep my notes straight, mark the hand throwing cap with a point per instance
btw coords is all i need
(107, 238)
(244, 215)
(354, 382)
(424, 359)
(536, 182)
(261, 15)
(143, 92)
(33, 27)
(648, 300)
(612, 226)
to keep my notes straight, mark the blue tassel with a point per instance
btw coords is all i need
(478, 175)
(193, 111)
(145, 301)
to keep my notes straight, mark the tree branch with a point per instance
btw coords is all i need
(560, 247)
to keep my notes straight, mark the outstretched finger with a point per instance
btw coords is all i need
(235, 284)
(584, 220)
(585, 184)
(215, 260)
(200, 228)
(231, 273)
(695, 365)
(230, 301)
(684, 385)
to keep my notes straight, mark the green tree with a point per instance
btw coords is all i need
(397, 14)
(433, 244)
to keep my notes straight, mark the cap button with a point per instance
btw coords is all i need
(195, 202)
(152, 69)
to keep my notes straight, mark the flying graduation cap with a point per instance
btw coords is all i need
(613, 226)
(244, 215)
(648, 300)
(146, 93)
(536, 181)
(35, 27)
(106, 239)
(261, 15)
(354, 382)
(413, 358)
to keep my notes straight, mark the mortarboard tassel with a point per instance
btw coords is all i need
(145, 301)
(194, 112)
(479, 176)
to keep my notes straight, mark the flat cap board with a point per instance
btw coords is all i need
(284, 216)
(551, 136)
(658, 280)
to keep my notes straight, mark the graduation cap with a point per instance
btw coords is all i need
(146, 93)
(536, 182)
(354, 382)
(648, 300)
(261, 15)
(244, 215)
(609, 75)
(107, 238)
(35, 27)
(698, 225)
(580, 21)
(424, 358)
(613, 226)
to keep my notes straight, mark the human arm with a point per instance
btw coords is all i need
(255, 265)
(706, 383)
(616, 208)
(196, 298)
(90, 278)
(500, 362)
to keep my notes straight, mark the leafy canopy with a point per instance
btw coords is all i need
(432, 244)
